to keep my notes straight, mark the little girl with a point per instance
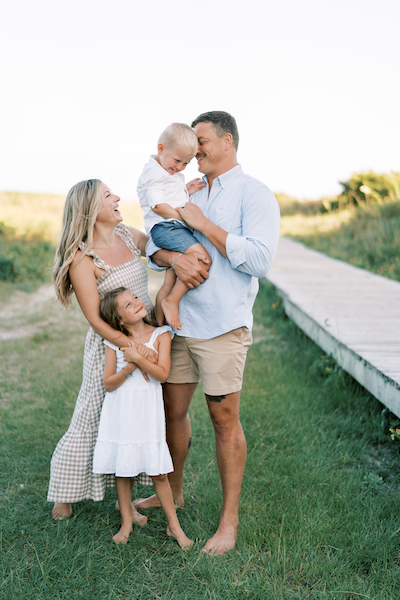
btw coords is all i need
(131, 438)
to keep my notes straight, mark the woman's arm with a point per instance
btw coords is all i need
(159, 371)
(83, 279)
(111, 379)
(140, 239)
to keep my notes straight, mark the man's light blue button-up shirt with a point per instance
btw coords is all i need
(249, 212)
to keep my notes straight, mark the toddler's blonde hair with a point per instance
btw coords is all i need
(179, 135)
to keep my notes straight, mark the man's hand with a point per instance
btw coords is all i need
(190, 269)
(193, 216)
(195, 185)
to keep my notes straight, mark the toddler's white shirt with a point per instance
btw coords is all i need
(157, 186)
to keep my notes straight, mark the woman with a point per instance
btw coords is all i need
(96, 254)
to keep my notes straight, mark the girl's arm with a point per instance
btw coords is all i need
(159, 371)
(111, 379)
(83, 279)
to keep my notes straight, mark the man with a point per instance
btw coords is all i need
(236, 219)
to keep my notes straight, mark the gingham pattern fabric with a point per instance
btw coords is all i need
(71, 476)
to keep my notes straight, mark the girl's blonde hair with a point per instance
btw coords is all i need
(80, 212)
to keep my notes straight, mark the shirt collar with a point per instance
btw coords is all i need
(226, 178)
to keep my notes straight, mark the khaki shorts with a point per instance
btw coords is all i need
(218, 363)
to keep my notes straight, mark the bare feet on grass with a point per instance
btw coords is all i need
(123, 534)
(61, 511)
(153, 502)
(137, 518)
(171, 312)
(184, 542)
(223, 541)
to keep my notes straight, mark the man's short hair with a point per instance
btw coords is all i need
(222, 122)
(179, 135)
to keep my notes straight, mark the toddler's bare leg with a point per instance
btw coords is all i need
(165, 289)
(170, 303)
(164, 494)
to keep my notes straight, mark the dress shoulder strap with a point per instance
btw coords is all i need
(158, 331)
(110, 345)
(123, 232)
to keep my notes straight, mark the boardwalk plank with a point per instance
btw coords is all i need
(351, 313)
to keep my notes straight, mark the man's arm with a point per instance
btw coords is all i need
(189, 269)
(252, 252)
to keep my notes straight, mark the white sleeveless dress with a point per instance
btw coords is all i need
(131, 438)
(71, 470)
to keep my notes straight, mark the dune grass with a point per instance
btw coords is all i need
(367, 237)
(319, 507)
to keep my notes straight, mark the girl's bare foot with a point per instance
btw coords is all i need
(180, 537)
(171, 312)
(61, 511)
(136, 516)
(123, 534)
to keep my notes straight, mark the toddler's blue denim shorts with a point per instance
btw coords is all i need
(172, 235)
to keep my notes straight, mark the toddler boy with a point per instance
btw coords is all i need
(161, 190)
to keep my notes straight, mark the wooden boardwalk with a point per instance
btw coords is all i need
(350, 313)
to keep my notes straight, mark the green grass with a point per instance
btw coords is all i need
(319, 507)
(367, 237)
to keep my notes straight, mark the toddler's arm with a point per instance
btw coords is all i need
(166, 211)
(195, 185)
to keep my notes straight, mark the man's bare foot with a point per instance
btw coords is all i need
(180, 537)
(223, 541)
(123, 534)
(61, 511)
(136, 516)
(171, 312)
(153, 502)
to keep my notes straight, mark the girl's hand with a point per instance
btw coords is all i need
(195, 185)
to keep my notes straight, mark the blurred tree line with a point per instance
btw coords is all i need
(362, 189)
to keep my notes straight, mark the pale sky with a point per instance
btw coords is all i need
(87, 86)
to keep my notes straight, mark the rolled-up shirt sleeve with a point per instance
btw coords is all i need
(254, 251)
(151, 249)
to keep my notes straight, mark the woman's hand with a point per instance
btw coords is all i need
(136, 350)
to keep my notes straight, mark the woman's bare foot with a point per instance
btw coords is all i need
(171, 312)
(123, 534)
(61, 511)
(222, 541)
(180, 537)
(136, 516)
(153, 502)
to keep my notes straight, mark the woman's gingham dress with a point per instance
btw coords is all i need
(71, 476)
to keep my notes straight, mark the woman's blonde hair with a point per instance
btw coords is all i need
(80, 212)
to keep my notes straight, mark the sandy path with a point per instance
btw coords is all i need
(25, 314)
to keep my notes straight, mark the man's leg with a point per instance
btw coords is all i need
(231, 451)
(177, 398)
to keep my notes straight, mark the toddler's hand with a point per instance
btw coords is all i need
(195, 185)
